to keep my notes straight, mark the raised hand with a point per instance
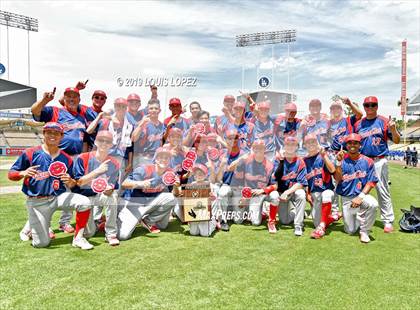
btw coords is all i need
(103, 167)
(30, 172)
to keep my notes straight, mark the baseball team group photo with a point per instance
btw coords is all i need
(280, 174)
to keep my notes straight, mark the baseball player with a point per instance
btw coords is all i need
(286, 125)
(290, 175)
(98, 101)
(319, 170)
(355, 176)
(134, 114)
(341, 126)
(147, 136)
(176, 119)
(72, 117)
(47, 171)
(226, 178)
(150, 200)
(264, 128)
(228, 115)
(375, 131)
(316, 123)
(195, 109)
(174, 143)
(255, 173)
(97, 176)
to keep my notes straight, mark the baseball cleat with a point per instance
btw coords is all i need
(298, 231)
(224, 226)
(51, 233)
(67, 228)
(318, 233)
(272, 227)
(82, 243)
(25, 235)
(336, 216)
(388, 228)
(151, 228)
(364, 237)
(112, 240)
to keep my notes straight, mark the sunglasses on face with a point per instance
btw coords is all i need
(104, 141)
(99, 98)
(370, 105)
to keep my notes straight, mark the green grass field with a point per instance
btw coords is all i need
(245, 268)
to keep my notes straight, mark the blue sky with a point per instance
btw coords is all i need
(351, 48)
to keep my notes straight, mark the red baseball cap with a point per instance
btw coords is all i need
(370, 99)
(201, 167)
(175, 101)
(105, 134)
(71, 90)
(290, 140)
(290, 107)
(121, 101)
(99, 93)
(353, 137)
(229, 98)
(133, 96)
(316, 102)
(53, 126)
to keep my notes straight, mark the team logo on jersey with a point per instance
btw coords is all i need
(56, 184)
(246, 193)
(57, 169)
(213, 153)
(169, 178)
(359, 185)
(98, 185)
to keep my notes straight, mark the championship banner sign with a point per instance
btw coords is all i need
(404, 78)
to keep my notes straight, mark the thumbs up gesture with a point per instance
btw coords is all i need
(391, 123)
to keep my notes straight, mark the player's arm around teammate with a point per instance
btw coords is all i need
(44, 170)
(97, 176)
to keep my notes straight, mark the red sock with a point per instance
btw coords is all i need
(325, 212)
(273, 213)
(81, 220)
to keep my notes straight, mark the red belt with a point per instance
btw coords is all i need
(377, 157)
(39, 197)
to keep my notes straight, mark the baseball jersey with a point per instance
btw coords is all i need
(319, 128)
(228, 175)
(86, 163)
(42, 184)
(90, 114)
(74, 127)
(293, 172)
(265, 132)
(135, 118)
(283, 128)
(147, 172)
(375, 135)
(181, 123)
(318, 177)
(256, 175)
(222, 121)
(150, 138)
(339, 130)
(356, 174)
(245, 132)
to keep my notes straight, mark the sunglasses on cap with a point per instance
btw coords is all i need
(370, 105)
(99, 98)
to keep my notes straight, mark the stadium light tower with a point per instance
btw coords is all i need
(265, 38)
(27, 23)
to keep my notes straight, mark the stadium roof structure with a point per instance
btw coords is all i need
(14, 95)
(413, 106)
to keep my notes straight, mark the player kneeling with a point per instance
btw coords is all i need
(47, 173)
(290, 176)
(150, 199)
(355, 176)
(97, 178)
(320, 187)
